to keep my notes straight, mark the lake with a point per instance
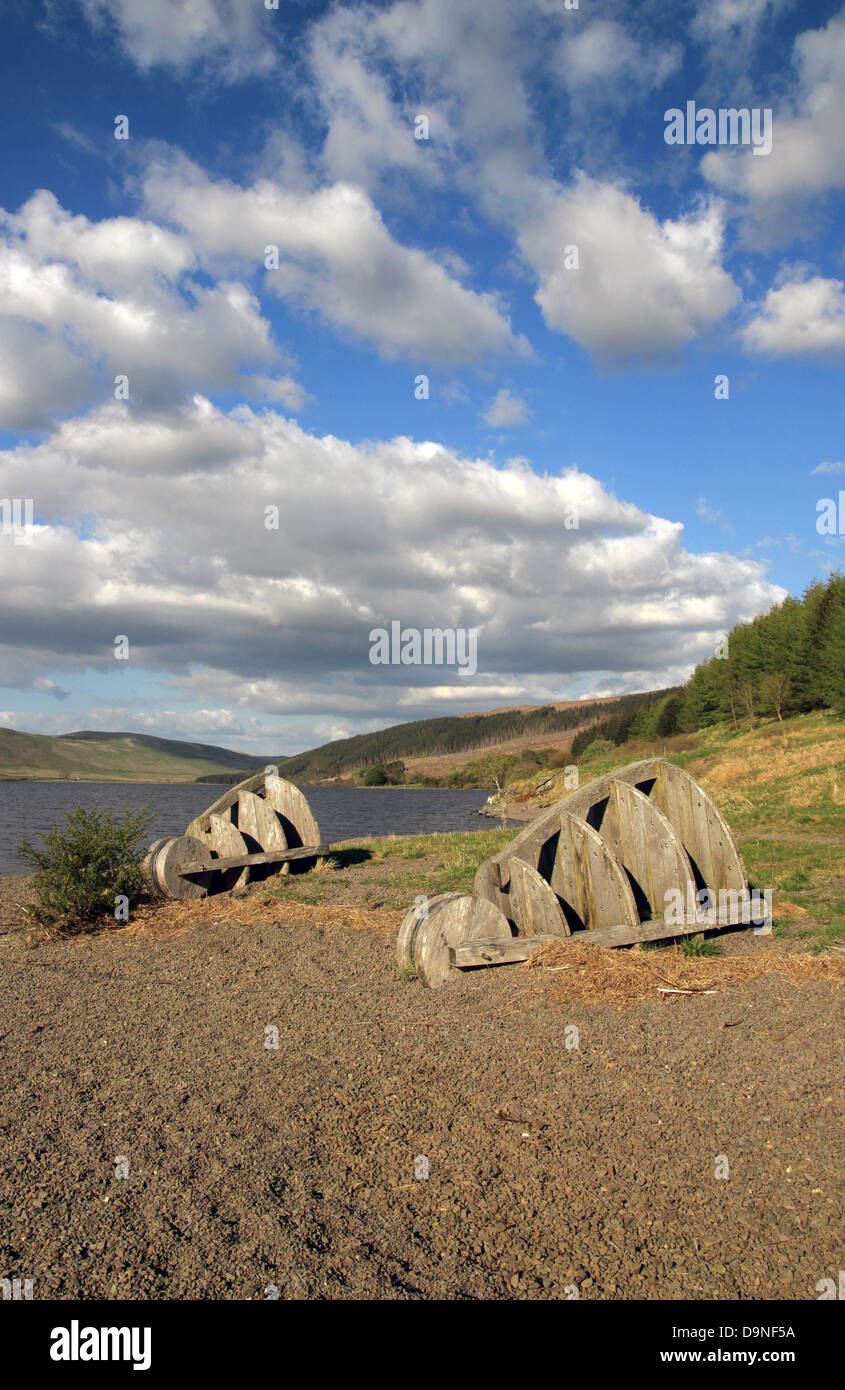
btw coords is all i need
(343, 813)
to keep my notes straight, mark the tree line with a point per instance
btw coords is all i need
(788, 661)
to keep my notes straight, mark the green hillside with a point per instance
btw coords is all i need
(447, 734)
(787, 662)
(89, 756)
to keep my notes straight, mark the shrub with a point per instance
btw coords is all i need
(374, 776)
(83, 868)
(599, 748)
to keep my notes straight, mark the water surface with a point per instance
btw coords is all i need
(29, 808)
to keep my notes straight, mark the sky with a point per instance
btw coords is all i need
(320, 318)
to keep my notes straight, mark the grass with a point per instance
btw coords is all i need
(700, 946)
(450, 861)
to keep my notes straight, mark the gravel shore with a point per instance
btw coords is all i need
(294, 1168)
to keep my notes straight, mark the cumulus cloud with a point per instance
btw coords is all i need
(44, 686)
(233, 38)
(81, 299)
(243, 617)
(808, 154)
(337, 258)
(805, 317)
(605, 52)
(505, 410)
(829, 468)
(643, 288)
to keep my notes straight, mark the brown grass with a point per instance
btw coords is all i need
(599, 975)
(813, 767)
(175, 918)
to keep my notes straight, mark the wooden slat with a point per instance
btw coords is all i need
(289, 802)
(449, 921)
(589, 877)
(643, 840)
(528, 844)
(226, 842)
(535, 908)
(260, 822)
(488, 885)
(273, 856)
(701, 827)
(500, 951)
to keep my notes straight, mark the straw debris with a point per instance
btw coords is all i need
(599, 975)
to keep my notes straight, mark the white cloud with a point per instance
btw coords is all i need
(249, 619)
(48, 687)
(829, 468)
(805, 317)
(706, 512)
(337, 258)
(234, 38)
(605, 52)
(642, 288)
(80, 300)
(505, 410)
(368, 131)
(808, 153)
(728, 16)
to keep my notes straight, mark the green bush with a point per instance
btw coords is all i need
(599, 748)
(374, 776)
(83, 868)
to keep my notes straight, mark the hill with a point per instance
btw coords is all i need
(92, 756)
(441, 747)
(428, 751)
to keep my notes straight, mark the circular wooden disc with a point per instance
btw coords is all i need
(148, 862)
(461, 918)
(410, 924)
(168, 858)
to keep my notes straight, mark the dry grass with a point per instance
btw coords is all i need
(174, 918)
(807, 768)
(599, 975)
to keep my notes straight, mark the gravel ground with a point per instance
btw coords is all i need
(550, 1168)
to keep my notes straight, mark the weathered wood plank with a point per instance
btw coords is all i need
(260, 822)
(701, 827)
(288, 801)
(499, 951)
(488, 885)
(643, 840)
(535, 908)
(226, 842)
(164, 866)
(528, 844)
(590, 879)
(273, 856)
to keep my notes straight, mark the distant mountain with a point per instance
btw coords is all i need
(429, 747)
(93, 756)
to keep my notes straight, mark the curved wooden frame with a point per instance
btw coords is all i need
(678, 837)
(272, 813)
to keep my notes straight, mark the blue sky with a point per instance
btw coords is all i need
(551, 385)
